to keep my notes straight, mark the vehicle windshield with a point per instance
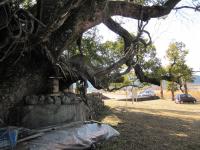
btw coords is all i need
(185, 95)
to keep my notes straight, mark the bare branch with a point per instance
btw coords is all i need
(196, 8)
(118, 88)
(130, 41)
(115, 27)
(119, 63)
(117, 75)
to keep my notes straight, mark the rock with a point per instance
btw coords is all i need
(71, 95)
(41, 100)
(31, 100)
(57, 100)
(49, 100)
(6, 98)
(77, 100)
(65, 100)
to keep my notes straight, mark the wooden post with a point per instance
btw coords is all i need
(126, 95)
(172, 91)
(161, 90)
(132, 95)
(136, 94)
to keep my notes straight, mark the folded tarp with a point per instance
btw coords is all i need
(79, 136)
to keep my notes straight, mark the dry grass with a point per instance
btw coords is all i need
(196, 94)
(153, 125)
(167, 94)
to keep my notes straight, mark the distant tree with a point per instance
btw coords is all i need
(172, 86)
(178, 69)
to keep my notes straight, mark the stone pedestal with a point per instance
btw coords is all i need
(46, 110)
(40, 116)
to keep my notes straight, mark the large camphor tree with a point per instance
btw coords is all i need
(34, 34)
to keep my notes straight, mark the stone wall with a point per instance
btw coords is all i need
(45, 110)
(6, 104)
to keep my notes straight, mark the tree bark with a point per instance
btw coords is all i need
(185, 87)
(27, 77)
(172, 91)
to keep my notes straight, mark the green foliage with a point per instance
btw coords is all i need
(111, 51)
(107, 53)
(172, 86)
(100, 54)
(176, 54)
(178, 68)
(128, 79)
(27, 3)
(147, 58)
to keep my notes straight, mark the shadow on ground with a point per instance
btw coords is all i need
(139, 99)
(160, 111)
(144, 131)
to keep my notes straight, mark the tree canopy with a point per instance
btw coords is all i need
(177, 68)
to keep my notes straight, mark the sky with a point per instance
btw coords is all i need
(181, 26)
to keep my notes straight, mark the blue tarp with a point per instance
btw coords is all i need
(8, 137)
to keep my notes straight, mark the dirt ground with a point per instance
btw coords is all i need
(153, 125)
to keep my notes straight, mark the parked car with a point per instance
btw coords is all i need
(146, 93)
(181, 98)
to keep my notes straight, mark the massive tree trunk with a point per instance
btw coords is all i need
(32, 40)
(27, 77)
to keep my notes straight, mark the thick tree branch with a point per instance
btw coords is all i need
(115, 27)
(123, 86)
(134, 11)
(54, 13)
(102, 11)
(131, 40)
(143, 78)
(118, 75)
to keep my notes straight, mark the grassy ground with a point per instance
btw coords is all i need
(153, 125)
